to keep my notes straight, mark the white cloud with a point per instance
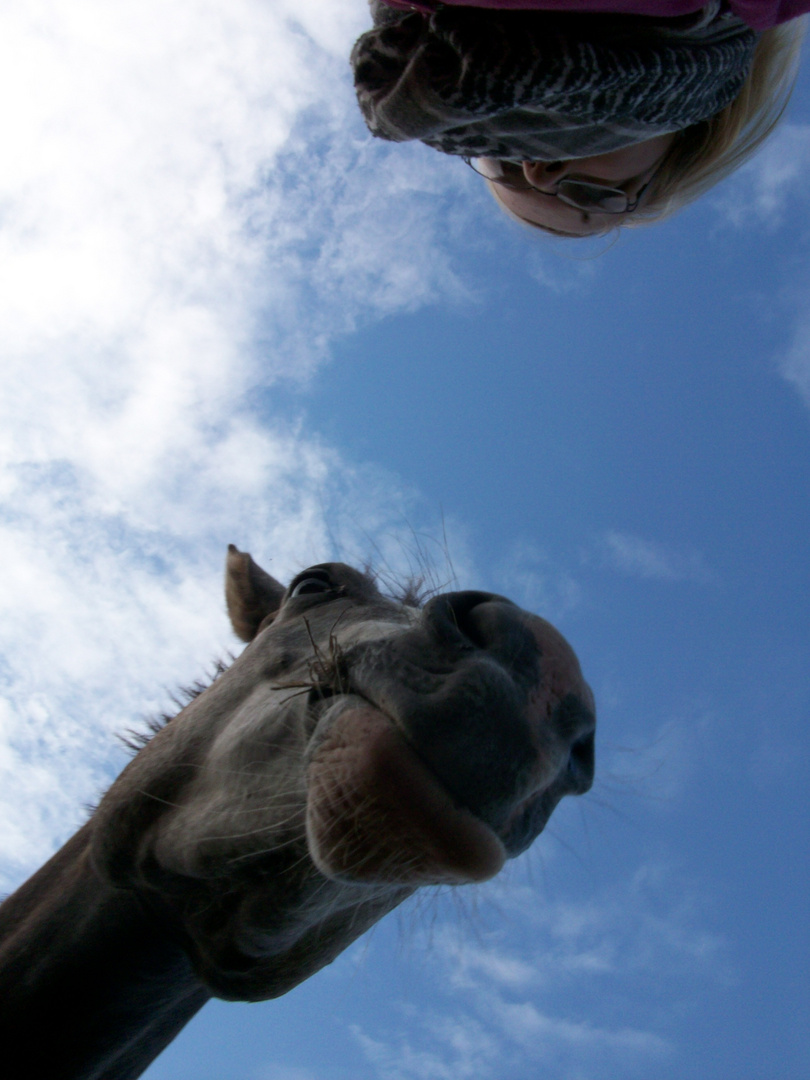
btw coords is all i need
(456, 1050)
(771, 190)
(538, 979)
(190, 210)
(503, 970)
(638, 557)
(639, 928)
(472, 964)
(506, 1038)
(794, 365)
(764, 188)
(532, 578)
(562, 272)
(532, 1028)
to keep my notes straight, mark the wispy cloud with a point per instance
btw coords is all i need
(794, 364)
(530, 1027)
(638, 557)
(561, 271)
(763, 189)
(506, 1038)
(537, 581)
(455, 1049)
(544, 980)
(768, 191)
(651, 922)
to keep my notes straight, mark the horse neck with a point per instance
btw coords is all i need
(92, 986)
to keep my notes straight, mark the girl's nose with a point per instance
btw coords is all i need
(545, 174)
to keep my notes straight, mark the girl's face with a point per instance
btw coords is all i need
(629, 169)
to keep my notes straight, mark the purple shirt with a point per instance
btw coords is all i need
(759, 14)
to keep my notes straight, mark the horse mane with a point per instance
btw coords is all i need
(412, 591)
(135, 740)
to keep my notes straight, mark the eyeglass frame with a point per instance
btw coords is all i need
(527, 186)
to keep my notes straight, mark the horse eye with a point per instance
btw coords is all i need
(313, 581)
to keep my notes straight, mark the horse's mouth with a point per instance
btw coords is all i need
(376, 813)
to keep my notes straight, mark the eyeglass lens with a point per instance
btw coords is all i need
(577, 193)
(586, 196)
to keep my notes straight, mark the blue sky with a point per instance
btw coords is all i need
(230, 316)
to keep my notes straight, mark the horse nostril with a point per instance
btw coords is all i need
(450, 615)
(580, 763)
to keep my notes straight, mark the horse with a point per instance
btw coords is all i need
(360, 747)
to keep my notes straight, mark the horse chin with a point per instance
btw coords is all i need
(376, 814)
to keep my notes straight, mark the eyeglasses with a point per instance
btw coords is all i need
(581, 194)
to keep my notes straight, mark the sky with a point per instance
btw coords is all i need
(229, 315)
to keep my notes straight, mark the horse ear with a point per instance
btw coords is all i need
(250, 593)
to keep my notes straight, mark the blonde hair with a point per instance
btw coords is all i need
(704, 154)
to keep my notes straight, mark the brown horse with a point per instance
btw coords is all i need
(360, 747)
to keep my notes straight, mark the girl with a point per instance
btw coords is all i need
(582, 114)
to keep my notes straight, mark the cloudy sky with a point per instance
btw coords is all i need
(227, 315)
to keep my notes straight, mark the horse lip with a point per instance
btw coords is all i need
(337, 700)
(478, 848)
(346, 697)
(380, 695)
